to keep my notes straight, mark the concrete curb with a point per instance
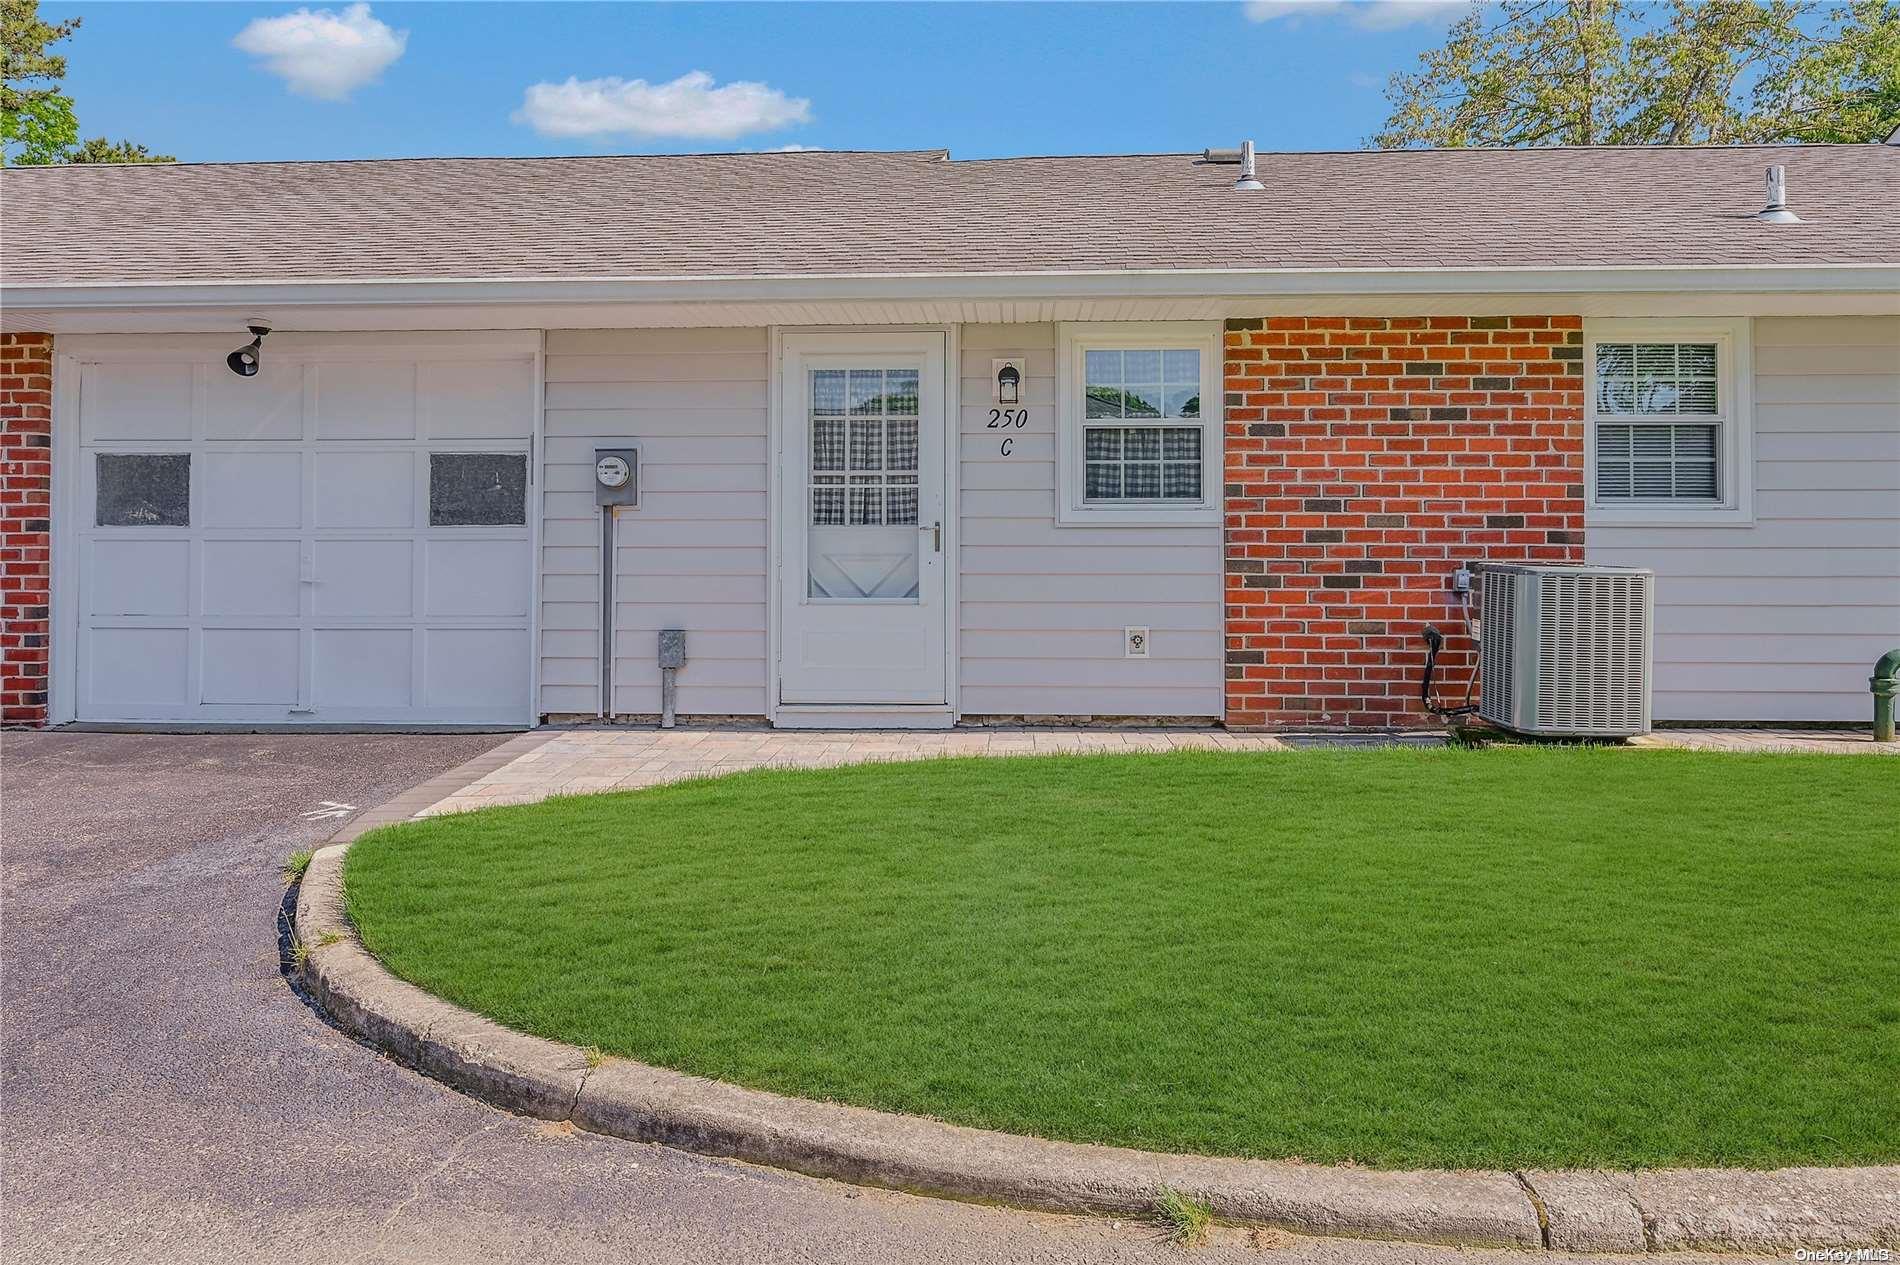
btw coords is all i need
(1578, 1211)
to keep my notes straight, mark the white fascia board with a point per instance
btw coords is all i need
(1228, 283)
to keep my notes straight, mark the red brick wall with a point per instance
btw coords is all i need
(26, 480)
(1366, 458)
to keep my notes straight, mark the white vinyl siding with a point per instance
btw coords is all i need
(1783, 618)
(1042, 607)
(692, 555)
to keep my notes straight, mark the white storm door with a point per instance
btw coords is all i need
(862, 562)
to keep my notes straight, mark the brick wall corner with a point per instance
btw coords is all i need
(26, 481)
(1366, 457)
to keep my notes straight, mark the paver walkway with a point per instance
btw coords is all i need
(1843, 741)
(577, 761)
(580, 760)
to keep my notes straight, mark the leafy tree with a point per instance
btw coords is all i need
(40, 130)
(37, 122)
(1843, 89)
(1610, 72)
(1689, 74)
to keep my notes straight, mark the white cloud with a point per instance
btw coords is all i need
(323, 54)
(691, 107)
(796, 149)
(1367, 15)
(1365, 79)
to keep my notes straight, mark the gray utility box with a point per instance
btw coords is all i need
(1565, 651)
(616, 476)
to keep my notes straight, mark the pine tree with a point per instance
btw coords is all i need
(37, 123)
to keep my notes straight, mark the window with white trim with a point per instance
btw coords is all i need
(1652, 457)
(1138, 443)
(1667, 418)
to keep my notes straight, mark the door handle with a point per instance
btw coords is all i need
(936, 535)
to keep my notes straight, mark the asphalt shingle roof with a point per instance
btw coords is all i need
(919, 212)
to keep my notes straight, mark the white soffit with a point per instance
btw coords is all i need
(434, 316)
(992, 298)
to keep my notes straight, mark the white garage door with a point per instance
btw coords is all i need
(342, 539)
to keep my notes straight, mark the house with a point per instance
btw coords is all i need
(908, 440)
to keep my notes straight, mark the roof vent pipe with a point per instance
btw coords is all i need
(1247, 180)
(1777, 212)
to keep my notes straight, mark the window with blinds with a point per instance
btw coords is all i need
(1656, 462)
(1138, 422)
(1659, 416)
(1142, 433)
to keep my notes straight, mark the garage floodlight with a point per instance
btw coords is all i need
(245, 360)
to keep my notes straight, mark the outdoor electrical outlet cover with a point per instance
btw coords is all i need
(1134, 643)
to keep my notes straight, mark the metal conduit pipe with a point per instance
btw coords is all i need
(1885, 683)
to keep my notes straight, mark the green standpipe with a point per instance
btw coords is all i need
(1885, 682)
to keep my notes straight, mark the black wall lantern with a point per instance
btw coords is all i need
(1009, 382)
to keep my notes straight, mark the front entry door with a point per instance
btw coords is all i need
(862, 562)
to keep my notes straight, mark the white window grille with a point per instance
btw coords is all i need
(1140, 424)
(1652, 457)
(864, 448)
(1130, 462)
(1667, 407)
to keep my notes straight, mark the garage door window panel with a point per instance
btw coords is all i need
(478, 489)
(143, 489)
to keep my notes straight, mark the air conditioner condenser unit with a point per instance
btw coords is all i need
(1564, 651)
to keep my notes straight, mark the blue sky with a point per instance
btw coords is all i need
(222, 82)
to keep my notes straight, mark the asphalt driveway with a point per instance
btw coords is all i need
(168, 1097)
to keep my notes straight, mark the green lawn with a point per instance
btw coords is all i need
(1504, 957)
